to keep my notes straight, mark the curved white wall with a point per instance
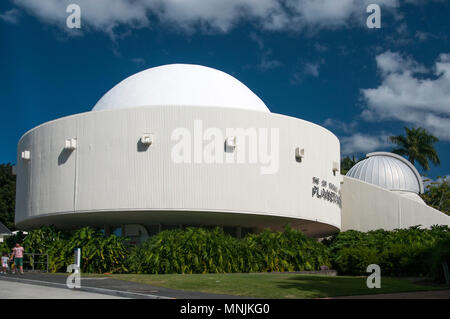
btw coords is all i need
(111, 179)
(369, 207)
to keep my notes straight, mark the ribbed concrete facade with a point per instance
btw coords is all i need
(111, 179)
(369, 207)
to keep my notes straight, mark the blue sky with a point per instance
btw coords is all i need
(314, 60)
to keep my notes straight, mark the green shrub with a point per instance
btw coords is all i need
(4, 248)
(99, 253)
(354, 260)
(289, 250)
(41, 240)
(405, 260)
(194, 250)
(45, 240)
(440, 254)
(197, 250)
(17, 238)
(401, 252)
(412, 252)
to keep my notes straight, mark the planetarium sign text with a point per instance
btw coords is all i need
(326, 191)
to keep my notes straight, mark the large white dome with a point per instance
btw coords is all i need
(181, 84)
(389, 171)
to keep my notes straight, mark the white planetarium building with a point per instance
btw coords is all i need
(182, 145)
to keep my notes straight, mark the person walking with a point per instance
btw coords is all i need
(17, 254)
(5, 263)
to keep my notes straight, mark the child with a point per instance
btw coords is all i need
(4, 263)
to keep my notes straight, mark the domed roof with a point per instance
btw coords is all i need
(388, 170)
(181, 84)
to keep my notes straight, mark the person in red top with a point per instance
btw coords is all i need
(17, 254)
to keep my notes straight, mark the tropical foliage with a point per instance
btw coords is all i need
(193, 250)
(417, 146)
(347, 163)
(400, 252)
(197, 250)
(7, 195)
(289, 250)
(437, 195)
(16, 238)
(4, 248)
(439, 255)
(99, 253)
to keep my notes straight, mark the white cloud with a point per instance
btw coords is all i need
(346, 127)
(321, 48)
(103, 15)
(411, 93)
(217, 15)
(362, 143)
(312, 69)
(138, 61)
(11, 16)
(392, 62)
(332, 13)
(423, 36)
(306, 69)
(267, 62)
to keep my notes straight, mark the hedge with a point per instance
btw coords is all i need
(401, 252)
(404, 252)
(197, 250)
(99, 253)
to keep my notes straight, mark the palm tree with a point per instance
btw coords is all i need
(417, 146)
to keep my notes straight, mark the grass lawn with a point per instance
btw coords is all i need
(265, 285)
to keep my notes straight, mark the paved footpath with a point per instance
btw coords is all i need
(437, 294)
(108, 287)
(17, 290)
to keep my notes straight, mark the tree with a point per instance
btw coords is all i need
(7, 195)
(417, 146)
(347, 163)
(437, 194)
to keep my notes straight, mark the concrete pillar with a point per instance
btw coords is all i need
(238, 232)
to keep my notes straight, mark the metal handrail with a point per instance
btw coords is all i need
(32, 261)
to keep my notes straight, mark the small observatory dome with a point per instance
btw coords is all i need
(181, 84)
(390, 171)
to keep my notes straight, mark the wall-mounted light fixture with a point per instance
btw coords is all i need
(230, 143)
(336, 168)
(299, 154)
(70, 144)
(26, 155)
(147, 139)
